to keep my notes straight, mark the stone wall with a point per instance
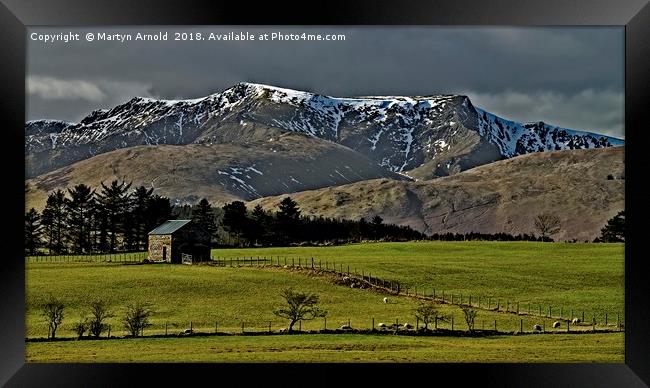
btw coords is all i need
(156, 245)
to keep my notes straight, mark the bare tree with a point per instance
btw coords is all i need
(52, 311)
(137, 318)
(80, 327)
(547, 224)
(301, 307)
(99, 313)
(470, 315)
(427, 313)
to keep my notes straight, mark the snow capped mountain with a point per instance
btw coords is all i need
(424, 136)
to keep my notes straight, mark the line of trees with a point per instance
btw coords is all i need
(83, 220)
(116, 217)
(288, 226)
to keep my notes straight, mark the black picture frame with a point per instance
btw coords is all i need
(16, 15)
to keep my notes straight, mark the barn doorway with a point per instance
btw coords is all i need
(165, 253)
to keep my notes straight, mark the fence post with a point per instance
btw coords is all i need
(191, 327)
(325, 327)
(165, 328)
(312, 263)
(417, 323)
(269, 326)
(521, 325)
(373, 323)
(293, 262)
(605, 319)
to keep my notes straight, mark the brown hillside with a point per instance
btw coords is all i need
(504, 196)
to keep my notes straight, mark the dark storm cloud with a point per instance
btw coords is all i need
(571, 77)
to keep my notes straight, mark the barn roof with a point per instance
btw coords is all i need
(170, 226)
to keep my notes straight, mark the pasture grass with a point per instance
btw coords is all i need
(560, 348)
(579, 276)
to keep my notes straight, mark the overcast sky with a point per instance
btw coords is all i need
(570, 77)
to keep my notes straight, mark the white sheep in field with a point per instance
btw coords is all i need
(381, 325)
(556, 324)
(408, 326)
(575, 321)
(346, 327)
(385, 300)
(537, 327)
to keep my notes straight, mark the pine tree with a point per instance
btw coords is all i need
(614, 231)
(203, 215)
(234, 218)
(288, 219)
(115, 203)
(79, 217)
(54, 222)
(139, 225)
(33, 231)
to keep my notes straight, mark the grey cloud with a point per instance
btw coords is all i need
(50, 88)
(385, 61)
(588, 110)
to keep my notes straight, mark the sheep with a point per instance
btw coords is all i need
(382, 325)
(408, 326)
(385, 300)
(346, 327)
(283, 330)
(575, 321)
(537, 327)
(556, 324)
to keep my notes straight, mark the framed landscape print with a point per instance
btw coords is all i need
(445, 191)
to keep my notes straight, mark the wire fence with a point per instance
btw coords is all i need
(354, 277)
(117, 257)
(452, 326)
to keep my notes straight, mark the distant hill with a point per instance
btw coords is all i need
(583, 187)
(219, 172)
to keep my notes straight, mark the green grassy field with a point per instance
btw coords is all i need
(227, 296)
(338, 348)
(587, 277)
(221, 296)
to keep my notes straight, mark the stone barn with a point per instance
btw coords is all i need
(175, 238)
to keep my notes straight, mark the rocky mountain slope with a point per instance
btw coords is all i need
(219, 172)
(423, 137)
(584, 188)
